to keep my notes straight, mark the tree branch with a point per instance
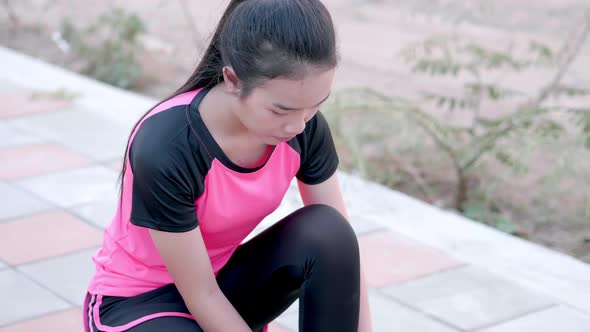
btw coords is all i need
(569, 52)
(573, 46)
(10, 13)
(415, 175)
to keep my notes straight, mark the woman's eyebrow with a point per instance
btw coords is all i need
(287, 108)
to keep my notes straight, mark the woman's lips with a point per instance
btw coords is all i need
(283, 139)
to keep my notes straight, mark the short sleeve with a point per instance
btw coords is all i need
(164, 188)
(319, 159)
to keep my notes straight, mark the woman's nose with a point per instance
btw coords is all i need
(296, 127)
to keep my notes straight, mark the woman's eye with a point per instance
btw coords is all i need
(278, 113)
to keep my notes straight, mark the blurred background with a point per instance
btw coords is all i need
(479, 107)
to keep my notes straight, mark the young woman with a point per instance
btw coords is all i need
(206, 165)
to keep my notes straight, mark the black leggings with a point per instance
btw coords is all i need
(311, 254)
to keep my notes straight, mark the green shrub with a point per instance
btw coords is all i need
(107, 49)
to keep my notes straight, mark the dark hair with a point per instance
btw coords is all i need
(262, 40)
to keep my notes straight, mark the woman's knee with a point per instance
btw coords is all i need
(325, 228)
(327, 218)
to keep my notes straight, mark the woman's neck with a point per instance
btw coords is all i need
(217, 111)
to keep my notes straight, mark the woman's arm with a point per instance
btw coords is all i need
(328, 193)
(186, 258)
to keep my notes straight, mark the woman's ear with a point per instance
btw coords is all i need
(231, 80)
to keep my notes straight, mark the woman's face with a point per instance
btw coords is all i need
(278, 110)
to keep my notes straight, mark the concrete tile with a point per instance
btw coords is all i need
(282, 211)
(289, 320)
(63, 321)
(31, 160)
(80, 130)
(368, 199)
(363, 225)
(74, 187)
(273, 327)
(68, 276)
(19, 202)
(468, 298)
(99, 213)
(10, 136)
(292, 201)
(455, 281)
(292, 197)
(45, 235)
(557, 318)
(24, 103)
(546, 271)
(115, 165)
(389, 258)
(9, 88)
(21, 298)
(293, 308)
(387, 315)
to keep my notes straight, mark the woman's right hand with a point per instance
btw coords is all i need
(187, 261)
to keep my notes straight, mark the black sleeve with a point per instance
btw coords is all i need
(319, 159)
(164, 188)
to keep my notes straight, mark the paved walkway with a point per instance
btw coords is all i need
(429, 270)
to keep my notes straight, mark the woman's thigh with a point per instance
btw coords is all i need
(177, 324)
(259, 280)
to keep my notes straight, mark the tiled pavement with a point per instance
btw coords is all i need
(58, 175)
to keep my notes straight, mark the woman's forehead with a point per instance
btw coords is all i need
(304, 92)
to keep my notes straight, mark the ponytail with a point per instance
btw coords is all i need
(209, 70)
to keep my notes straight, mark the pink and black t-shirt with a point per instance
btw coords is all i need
(178, 178)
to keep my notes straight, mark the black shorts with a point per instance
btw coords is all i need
(110, 313)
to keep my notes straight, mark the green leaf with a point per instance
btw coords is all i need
(492, 91)
(450, 103)
(474, 210)
(549, 129)
(526, 124)
(491, 59)
(68, 30)
(505, 225)
(436, 67)
(583, 121)
(544, 54)
(473, 88)
(542, 49)
(583, 116)
(489, 123)
(586, 122)
(569, 91)
(512, 162)
(421, 66)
